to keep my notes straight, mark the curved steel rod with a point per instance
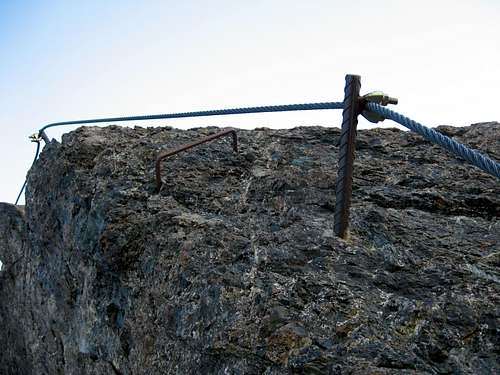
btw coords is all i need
(166, 154)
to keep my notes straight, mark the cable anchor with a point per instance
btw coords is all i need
(375, 97)
(35, 137)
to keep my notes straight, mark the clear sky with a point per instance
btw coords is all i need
(66, 60)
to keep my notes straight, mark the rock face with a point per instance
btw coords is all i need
(233, 267)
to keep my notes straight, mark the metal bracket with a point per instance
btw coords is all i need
(35, 137)
(168, 153)
(376, 97)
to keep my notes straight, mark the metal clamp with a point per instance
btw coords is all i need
(376, 97)
(168, 153)
(37, 137)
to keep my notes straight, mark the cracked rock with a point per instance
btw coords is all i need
(233, 267)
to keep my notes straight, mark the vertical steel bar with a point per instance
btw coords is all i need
(343, 186)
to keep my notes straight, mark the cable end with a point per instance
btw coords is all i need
(377, 97)
(35, 137)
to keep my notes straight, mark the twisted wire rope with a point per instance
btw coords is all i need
(472, 156)
(218, 112)
(26, 180)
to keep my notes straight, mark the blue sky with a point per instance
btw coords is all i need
(65, 60)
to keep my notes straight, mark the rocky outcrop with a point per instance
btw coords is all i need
(233, 267)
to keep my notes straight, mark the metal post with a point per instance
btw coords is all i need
(343, 186)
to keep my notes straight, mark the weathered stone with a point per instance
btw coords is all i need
(233, 267)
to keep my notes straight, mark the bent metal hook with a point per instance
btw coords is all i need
(168, 153)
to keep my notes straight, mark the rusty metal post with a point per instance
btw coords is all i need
(343, 186)
(185, 147)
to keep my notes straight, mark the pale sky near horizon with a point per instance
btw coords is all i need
(68, 60)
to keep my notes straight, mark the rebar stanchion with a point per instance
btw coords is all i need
(343, 187)
(217, 112)
(371, 106)
(185, 147)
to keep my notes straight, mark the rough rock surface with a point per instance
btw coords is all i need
(233, 268)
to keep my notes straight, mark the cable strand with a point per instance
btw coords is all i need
(218, 112)
(26, 180)
(472, 156)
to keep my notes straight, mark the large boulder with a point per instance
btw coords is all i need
(233, 267)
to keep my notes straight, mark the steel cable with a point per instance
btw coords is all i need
(26, 180)
(218, 112)
(472, 156)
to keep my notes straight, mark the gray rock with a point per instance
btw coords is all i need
(233, 267)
